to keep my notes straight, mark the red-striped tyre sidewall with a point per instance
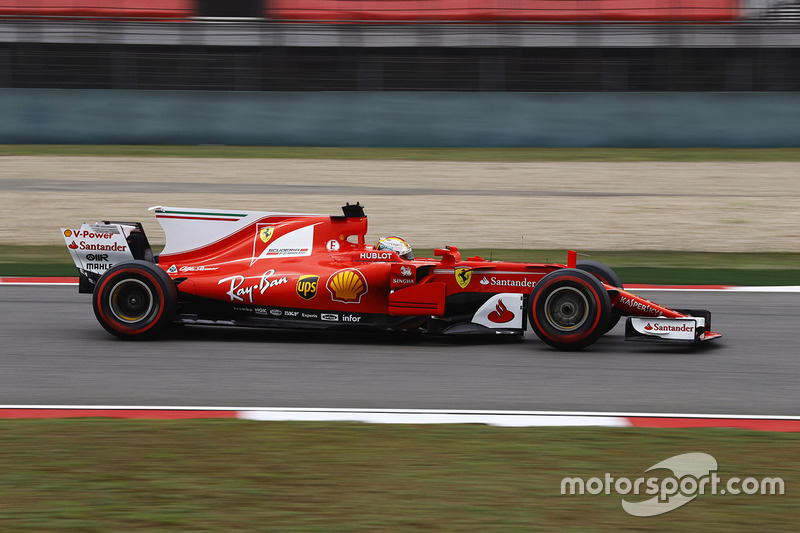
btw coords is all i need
(601, 271)
(607, 275)
(162, 289)
(599, 309)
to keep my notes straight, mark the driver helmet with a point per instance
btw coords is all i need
(396, 244)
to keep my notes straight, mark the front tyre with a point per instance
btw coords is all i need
(135, 300)
(569, 309)
(607, 275)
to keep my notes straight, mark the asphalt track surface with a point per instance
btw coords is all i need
(53, 352)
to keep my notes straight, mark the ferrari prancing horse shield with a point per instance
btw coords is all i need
(266, 234)
(463, 276)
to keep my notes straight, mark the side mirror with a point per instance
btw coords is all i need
(450, 254)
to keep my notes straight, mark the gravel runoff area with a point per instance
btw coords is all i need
(709, 206)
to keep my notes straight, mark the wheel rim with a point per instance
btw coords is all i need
(131, 301)
(566, 308)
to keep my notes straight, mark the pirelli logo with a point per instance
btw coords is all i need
(307, 286)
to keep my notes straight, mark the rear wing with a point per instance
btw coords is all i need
(96, 247)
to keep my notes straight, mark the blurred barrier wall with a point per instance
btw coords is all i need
(495, 10)
(381, 10)
(406, 119)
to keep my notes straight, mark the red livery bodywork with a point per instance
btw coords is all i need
(264, 269)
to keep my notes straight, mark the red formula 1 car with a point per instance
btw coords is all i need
(246, 268)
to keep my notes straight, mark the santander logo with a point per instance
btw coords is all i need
(648, 327)
(669, 327)
(501, 314)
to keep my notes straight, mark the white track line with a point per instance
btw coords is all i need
(414, 416)
(459, 412)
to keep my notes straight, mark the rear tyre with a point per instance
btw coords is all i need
(135, 300)
(605, 274)
(569, 309)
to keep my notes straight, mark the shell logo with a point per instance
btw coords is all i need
(347, 286)
(68, 233)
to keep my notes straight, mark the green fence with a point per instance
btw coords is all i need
(405, 119)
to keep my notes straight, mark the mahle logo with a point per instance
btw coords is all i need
(307, 286)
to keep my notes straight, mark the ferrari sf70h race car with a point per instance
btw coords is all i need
(264, 269)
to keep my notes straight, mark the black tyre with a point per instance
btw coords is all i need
(135, 300)
(569, 309)
(607, 275)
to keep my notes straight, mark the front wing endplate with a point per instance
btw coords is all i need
(690, 329)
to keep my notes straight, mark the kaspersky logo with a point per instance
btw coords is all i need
(307, 286)
(463, 276)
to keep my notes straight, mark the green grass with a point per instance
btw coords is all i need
(33, 260)
(632, 267)
(675, 268)
(709, 276)
(103, 475)
(617, 259)
(423, 154)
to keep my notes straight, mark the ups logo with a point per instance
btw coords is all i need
(307, 286)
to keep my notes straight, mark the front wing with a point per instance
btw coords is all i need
(651, 322)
